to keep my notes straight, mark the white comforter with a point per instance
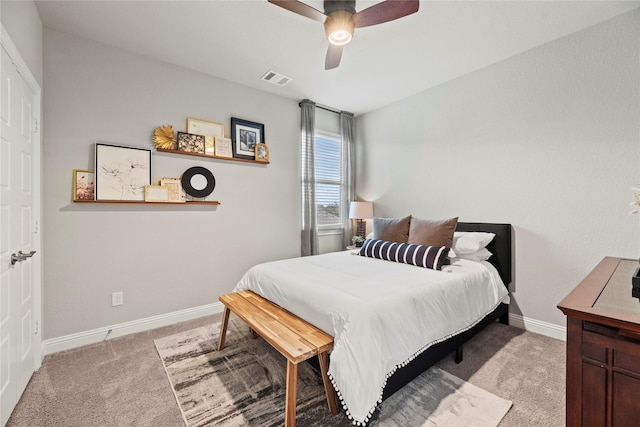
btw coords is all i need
(380, 313)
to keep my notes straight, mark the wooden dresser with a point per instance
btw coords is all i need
(603, 348)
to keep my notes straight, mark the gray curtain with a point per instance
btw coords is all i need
(309, 240)
(348, 173)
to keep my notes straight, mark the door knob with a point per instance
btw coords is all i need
(17, 258)
(20, 256)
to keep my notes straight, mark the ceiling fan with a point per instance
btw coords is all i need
(341, 19)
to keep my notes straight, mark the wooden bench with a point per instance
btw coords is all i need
(294, 338)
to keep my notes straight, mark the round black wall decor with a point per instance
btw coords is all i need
(198, 182)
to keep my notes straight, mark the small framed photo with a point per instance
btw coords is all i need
(223, 147)
(262, 153)
(209, 130)
(156, 193)
(83, 185)
(244, 137)
(121, 172)
(175, 189)
(190, 142)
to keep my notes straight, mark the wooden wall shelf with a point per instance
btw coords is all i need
(208, 156)
(141, 202)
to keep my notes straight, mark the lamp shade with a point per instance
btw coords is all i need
(361, 210)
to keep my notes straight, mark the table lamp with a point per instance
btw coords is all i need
(360, 211)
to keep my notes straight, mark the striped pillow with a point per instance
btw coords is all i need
(433, 257)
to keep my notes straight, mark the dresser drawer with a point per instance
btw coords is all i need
(615, 351)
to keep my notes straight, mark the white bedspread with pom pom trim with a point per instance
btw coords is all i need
(381, 314)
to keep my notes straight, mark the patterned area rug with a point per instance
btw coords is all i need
(244, 385)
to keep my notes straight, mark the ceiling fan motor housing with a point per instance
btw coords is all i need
(331, 6)
(339, 25)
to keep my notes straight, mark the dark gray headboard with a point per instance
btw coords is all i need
(500, 246)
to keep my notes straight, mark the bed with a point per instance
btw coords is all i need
(387, 317)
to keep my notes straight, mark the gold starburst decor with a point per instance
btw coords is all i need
(163, 137)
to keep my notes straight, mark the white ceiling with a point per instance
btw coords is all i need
(241, 40)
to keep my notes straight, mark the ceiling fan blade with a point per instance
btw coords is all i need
(300, 8)
(334, 54)
(385, 11)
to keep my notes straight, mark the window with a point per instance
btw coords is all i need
(327, 184)
(329, 180)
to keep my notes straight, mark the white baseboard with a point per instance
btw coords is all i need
(68, 342)
(539, 327)
(93, 336)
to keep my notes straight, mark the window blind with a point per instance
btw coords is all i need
(328, 157)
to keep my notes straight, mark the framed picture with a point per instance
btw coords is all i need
(262, 153)
(175, 189)
(223, 147)
(156, 193)
(190, 142)
(83, 185)
(244, 137)
(209, 130)
(121, 172)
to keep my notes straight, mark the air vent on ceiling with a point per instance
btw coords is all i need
(275, 78)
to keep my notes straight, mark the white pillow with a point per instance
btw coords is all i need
(468, 242)
(482, 255)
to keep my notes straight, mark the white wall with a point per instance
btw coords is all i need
(163, 258)
(548, 140)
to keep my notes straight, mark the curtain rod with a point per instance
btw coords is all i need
(326, 108)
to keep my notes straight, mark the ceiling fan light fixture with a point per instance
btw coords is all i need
(339, 27)
(341, 19)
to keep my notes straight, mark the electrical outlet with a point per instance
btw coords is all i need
(117, 298)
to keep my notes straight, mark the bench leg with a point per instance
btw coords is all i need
(290, 401)
(323, 358)
(223, 328)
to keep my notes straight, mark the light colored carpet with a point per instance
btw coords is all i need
(121, 382)
(244, 385)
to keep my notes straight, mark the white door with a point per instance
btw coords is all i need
(16, 234)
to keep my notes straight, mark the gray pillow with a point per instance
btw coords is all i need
(432, 233)
(392, 229)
